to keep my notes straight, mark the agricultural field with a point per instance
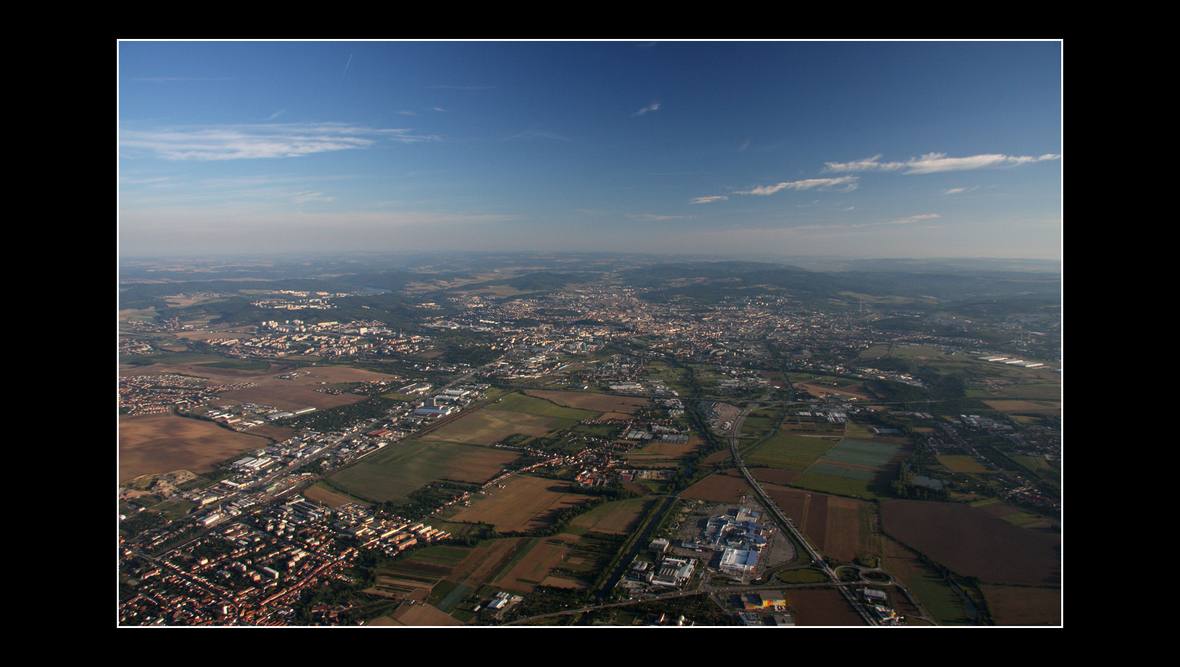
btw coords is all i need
(415, 615)
(401, 580)
(858, 431)
(402, 467)
(759, 424)
(792, 452)
(1051, 408)
(510, 415)
(175, 508)
(851, 468)
(444, 555)
(1015, 390)
(591, 401)
(938, 598)
(487, 427)
(326, 495)
(775, 476)
(841, 528)
(859, 455)
(143, 314)
(973, 542)
(719, 456)
(719, 488)
(519, 403)
(820, 390)
(662, 454)
(1036, 463)
(841, 485)
(533, 567)
(617, 517)
(672, 377)
(961, 463)
(153, 444)
(524, 503)
(796, 425)
(821, 606)
(1013, 515)
(292, 394)
(483, 563)
(1023, 605)
(300, 392)
(984, 379)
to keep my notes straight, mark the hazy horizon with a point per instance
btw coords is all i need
(883, 150)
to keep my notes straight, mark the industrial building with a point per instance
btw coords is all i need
(738, 562)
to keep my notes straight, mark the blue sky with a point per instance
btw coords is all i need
(910, 149)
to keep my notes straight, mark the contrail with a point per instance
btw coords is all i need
(346, 65)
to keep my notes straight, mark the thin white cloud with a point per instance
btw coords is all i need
(653, 107)
(539, 134)
(849, 183)
(276, 114)
(932, 163)
(310, 197)
(346, 66)
(408, 113)
(960, 190)
(867, 164)
(273, 140)
(439, 109)
(912, 219)
(653, 217)
(708, 199)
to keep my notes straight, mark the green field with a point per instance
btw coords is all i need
(860, 431)
(860, 453)
(837, 485)
(1037, 463)
(394, 396)
(849, 468)
(938, 598)
(402, 467)
(540, 407)
(1031, 391)
(822, 468)
(961, 463)
(176, 508)
(440, 555)
(615, 517)
(670, 376)
(598, 430)
(793, 452)
(512, 415)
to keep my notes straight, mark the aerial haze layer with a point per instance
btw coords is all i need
(877, 149)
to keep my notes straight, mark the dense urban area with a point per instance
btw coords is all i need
(588, 440)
